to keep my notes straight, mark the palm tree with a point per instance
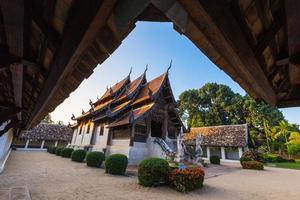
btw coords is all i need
(284, 130)
(270, 133)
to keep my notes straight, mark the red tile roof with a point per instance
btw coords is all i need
(151, 88)
(132, 115)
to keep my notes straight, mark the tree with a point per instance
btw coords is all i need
(60, 122)
(48, 119)
(217, 104)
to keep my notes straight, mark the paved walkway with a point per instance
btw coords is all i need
(50, 177)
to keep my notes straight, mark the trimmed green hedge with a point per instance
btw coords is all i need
(214, 160)
(274, 158)
(53, 150)
(95, 159)
(67, 152)
(116, 164)
(153, 172)
(58, 151)
(252, 165)
(78, 155)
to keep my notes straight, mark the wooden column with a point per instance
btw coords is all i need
(94, 132)
(42, 145)
(132, 135)
(165, 123)
(27, 143)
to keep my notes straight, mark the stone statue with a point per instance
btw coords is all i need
(198, 150)
(180, 147)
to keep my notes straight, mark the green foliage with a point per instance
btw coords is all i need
(53, 149)
(48, 119)
(58, 151)
(252, 165)
(294, 149)
(216, 104)
(95, 158)
(49, 149)
(78, 155)
(187, 179)
(288, 165)
(66, 152)
(153, 172)
(244, 159)
(116, 164)
(214, 160)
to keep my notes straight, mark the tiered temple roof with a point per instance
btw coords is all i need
(128, 101)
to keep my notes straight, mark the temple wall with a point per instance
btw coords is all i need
(87, 136)
(119, 146)
(80, 136)
(75, 132)
(5, 142)
(138, 152)
(101, 140)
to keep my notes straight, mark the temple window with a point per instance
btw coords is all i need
(140, 134)
(101, 130)
(88, 128)
(122, 132)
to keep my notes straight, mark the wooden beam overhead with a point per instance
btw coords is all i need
(8, 113)
(228, 48)
(9, 125)
(80, 30)
(52, 35)
(265, 39)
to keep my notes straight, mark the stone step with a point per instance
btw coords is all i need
(15, 193)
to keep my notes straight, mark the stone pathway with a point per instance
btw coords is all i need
(49, 177)
(15, 193)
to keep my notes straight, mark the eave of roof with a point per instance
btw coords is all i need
(132, 116)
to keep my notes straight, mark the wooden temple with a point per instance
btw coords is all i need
(128, 117)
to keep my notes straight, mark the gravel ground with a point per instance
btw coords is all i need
(50, 177)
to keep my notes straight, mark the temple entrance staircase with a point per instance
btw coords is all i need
(168, 151)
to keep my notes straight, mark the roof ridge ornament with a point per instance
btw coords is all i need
(170, 65)
(146, 68)
(90, 102)
(73, 116)
(130, 71)
(82, 112)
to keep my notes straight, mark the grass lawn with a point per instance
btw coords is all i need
(286, 165)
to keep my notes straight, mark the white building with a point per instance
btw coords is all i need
(226, 141)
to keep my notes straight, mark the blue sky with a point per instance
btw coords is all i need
(155, 44)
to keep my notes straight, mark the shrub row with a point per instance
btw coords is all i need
(51, 149)
(272, 158)
(252, 159)
(214, 160)
(153, 172)
(115, 164)
(78, 155)
(95, 158)
(156, 171)
(252, 165)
